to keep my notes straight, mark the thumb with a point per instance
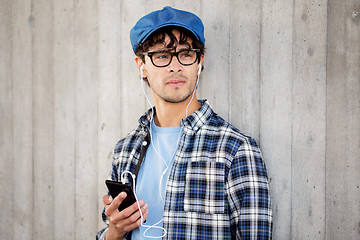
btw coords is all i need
(107, 199)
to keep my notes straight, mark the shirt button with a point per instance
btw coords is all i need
(144, 143)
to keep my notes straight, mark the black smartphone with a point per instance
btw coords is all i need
(117, 187)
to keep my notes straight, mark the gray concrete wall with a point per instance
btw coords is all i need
(285, 72)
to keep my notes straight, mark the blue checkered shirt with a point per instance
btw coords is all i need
(218, 186)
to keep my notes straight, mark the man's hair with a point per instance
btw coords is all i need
(159, 36)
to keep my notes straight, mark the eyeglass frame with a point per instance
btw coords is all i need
(172, 54)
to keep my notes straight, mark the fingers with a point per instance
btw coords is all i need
(131, 215)
(107, 199)
(114, 204)
(134, 220)
(129, 218)
(129, 211)
(126, 220)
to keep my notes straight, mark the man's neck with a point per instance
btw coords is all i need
(171, 114)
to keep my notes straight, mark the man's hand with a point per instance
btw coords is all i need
(122, 222)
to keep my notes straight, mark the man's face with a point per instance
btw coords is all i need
(174, 83)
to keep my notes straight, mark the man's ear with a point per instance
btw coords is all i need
(202, 59)
(140, 65)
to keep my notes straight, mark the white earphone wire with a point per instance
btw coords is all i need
(141, 214)
(193, 94)
(172, 157)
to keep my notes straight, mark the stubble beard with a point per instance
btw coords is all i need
(174, 98)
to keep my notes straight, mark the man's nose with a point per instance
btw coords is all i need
(175, 65)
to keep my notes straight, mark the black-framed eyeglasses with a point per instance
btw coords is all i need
(185, 57)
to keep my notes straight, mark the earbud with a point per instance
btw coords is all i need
(199, 71)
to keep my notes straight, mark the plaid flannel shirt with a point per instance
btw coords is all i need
(218, 186)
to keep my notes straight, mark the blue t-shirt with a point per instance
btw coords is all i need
(158, 161)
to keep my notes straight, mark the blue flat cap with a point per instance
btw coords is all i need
(168, 16)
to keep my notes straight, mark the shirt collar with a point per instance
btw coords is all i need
(199, 118)
(145, 119)
(193, 122)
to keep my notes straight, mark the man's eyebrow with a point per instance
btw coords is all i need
(164, 49)
(184, 48)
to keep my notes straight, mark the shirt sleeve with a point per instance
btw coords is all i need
(248, 194)
(101, 234)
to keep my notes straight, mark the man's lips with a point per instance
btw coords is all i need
(176, 82)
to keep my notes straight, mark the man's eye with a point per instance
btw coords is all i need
(186, 54)
(161, 56)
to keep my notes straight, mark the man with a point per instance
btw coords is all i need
(198, 177)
